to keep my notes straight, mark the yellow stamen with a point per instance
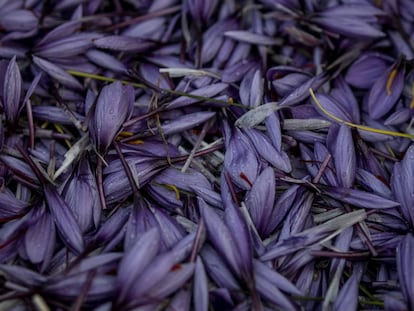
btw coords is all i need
(230, 100)
(44, 125)
(135, 142)
(175, 189)
(390, 81)
(387, 146)
(61, 131)
(412, 97)
(358, 126)
(125, 134)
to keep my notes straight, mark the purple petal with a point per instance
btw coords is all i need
(12, 89)
(383, 95)
(252, 38)
(81, 194)
(57, 73)
(113, 106)
(405, 254)
(200, 287)
(123, 43)
(240, 232)
(219, 235)
(359, 198)
(105, 60)
(345, 157)
(365, 70)
(136, 260)
(40, 240)
(65, 221)
(207, 91)
(260, 199)
(19, 20)
(240, 161)
(68, 46)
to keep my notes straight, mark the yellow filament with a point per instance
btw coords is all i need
(135, 142)
(125, 134)
(175, 189)
(412, 97)
(61, 131)
(101, 78)
(390, 81)
(82, 74)
(358, 126)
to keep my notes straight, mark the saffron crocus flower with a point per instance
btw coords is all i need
(112, 109)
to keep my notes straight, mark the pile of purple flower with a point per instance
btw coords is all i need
(206, 155)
